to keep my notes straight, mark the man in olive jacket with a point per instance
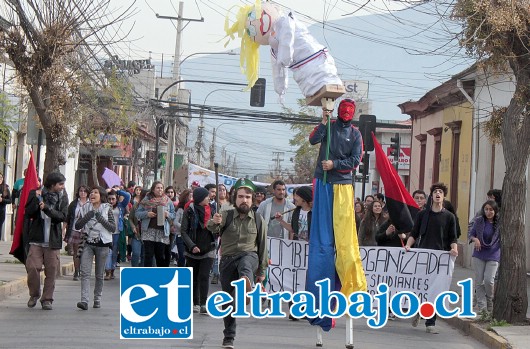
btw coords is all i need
(243, 247)
(45, 211)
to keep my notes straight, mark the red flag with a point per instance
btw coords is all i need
(31, 182)
(401, 206)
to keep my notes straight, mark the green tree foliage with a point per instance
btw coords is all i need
(49, 43)
(497, 33)
(306, 154)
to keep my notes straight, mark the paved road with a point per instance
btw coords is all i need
(68, 327)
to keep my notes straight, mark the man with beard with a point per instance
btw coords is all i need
(244, 246)
(269, 209)
(434, 229)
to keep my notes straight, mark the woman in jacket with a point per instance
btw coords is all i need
(137, 247)
(486, 238)
(200, 246)
(98, 223)
(73, 236)
(155, 237)
(370, 224)
(184, 198)
(5, 199)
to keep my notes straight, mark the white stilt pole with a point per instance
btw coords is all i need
(349, 333)
(319, 337)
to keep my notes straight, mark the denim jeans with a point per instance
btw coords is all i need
(112, 258)
(201, 278)
(137, 259)
(215, 267)
(233, 268)
(484, 280)
(156, 250)
(101, 254)
(181, 261)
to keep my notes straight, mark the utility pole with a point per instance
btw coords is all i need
(276, 158)
(212, 149)
(198, 144)
(171, 148)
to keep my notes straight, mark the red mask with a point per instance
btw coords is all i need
(346, 110)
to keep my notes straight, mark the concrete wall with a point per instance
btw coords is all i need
(493, 90)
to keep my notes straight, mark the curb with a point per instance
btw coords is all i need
(16, 286)
(488, 338)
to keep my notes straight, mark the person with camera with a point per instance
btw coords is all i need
(200, 245)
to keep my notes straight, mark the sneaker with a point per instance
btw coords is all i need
(416, 320)
(82, 305)
(97, 304)
(431, 329)
(196, 308)
(175, 262)
(203, 310)
(215, 280)
(76, 276)
(47, 305)
(32, 302)
(392, 317)
(228, 342)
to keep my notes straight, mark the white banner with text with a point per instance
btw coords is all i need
(426, 273)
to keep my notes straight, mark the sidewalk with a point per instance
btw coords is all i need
(13, 281)
(13, 273)
(515, 337)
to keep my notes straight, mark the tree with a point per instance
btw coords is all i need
(7, 116)
(106, 117)
(498, 34)
(306, 154)
(47, 44)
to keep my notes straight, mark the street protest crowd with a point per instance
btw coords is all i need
(162, 227)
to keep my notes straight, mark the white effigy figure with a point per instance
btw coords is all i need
(292, 47)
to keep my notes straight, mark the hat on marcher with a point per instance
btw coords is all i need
(244, 183)
(261, 189)
(305, 193)
(199, 194)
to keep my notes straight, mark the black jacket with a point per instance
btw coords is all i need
(345, 150)
(194, 233)
(35, 223)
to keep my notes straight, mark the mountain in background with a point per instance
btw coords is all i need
(402, 55)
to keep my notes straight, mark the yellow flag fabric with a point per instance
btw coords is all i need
(348, 260)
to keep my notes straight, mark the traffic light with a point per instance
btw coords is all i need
(394, 148)
(366, 127)
(363, 165)
(257, 93)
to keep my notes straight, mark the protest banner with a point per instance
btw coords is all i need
(426, 273)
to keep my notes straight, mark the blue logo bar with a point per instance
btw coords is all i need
(156, 303)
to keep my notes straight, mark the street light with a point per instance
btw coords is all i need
(230, 53)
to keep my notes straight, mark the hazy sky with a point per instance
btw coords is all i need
(158, 35)
(392, 52)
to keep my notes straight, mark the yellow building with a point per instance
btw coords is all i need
(441, 149)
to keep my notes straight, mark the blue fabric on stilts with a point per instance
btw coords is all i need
(321, 259)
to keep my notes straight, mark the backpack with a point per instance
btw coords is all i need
(230, 218)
